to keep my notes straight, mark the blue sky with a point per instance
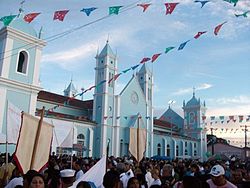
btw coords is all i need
(217, 66)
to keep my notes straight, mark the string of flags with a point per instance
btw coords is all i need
(113, 10)
(212, 120)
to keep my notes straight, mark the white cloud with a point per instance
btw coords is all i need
(190, 90)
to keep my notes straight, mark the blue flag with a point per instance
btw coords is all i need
(134, 67)
(182, 45)
(88, 10)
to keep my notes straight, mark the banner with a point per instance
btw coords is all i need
(95, 174)
(13, 123)
(33, 146)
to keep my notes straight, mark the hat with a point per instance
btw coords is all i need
(66, 173)
(217, 170)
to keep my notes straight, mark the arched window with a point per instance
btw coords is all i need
(177, 150)
(195, 153)
(191, 117)
(22, 63)
(186, 152)
(168, 150)
(159, 149)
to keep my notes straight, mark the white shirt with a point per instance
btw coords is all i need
(227, 185)
(124, 177)
(149, 178)
(79, 174)
(156, 182)
(14, 182)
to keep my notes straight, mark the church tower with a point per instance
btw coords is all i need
(194, 127)
(103, 112)
(70, 91)
(20, 55)
(145, 78)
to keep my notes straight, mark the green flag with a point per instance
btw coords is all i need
(114, 10)
(7, 19)
(126, 70)
(232, 1)
(168, 49)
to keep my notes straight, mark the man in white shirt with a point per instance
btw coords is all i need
(78, 168)
(218, 179)
(124, 177)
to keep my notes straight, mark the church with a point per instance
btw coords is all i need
(105, 123)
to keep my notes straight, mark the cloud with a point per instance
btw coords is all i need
(190, 90)
(240, 100)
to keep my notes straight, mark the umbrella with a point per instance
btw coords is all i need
(219, 157)
(158, 157)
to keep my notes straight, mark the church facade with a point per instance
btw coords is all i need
(106, 121)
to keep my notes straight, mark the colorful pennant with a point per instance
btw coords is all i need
(182, 45)
(243, 14)
(169, 49)
(154, 57)
(144, 6)
(199, 34)
(202, 3)
(88, 10)
(114, 10)
(218, 27)
(30, 17)
(59, 15)
(170, 7)
(144, 60)
(7, 19)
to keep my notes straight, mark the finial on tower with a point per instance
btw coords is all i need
(21, 7)
(107, 39)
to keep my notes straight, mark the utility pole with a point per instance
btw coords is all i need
(245, 131)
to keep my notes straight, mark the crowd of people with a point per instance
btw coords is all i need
(63, 171)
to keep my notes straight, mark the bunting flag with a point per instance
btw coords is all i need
(212, 118)
(232, 1)
(117, 75)
(88, 10)
(231, 117)
(144, 6)
(7, 19)
(169, 49)
(59, 15)
(243, 14)
(199, 34)
(182, 45)
(30, 17)
(144, 60)
(126, 70)
(240, 119)
(170, 7)
(134, 67)
(101, 82)
(218, 27)
(114, 10)
(154, 57)
(202, 3)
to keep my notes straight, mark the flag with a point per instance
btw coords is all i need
(182, 45)
(243, 14)
(154, 57)
(144, 60)
(231, 117)
(134, 67)
(212, 118)
(95, 174)
(170, 7)
(218, 27)
(168, 49)
(114, 10)
(232, 1)
(125, 71)
(33, 146)
(137, 142)
(144, 6)
(199, 34)
(7, 19)
(202, 2)
(13, 123)
(101, 82)
(240, 119)
(59, 15)
(88, 10)
(30, 17)
(117, 75)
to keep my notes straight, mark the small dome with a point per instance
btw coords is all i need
(21, 25)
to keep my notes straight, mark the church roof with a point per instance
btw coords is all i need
(19, 24)
(171, 115)
(193, 102)
(106, 51)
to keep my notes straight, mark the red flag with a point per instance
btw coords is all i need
(199, 34)
(231, 117)
(170, 7)
(218, 27)
(144, 6)
(116, 76)
(59, 15)
(30, 17)
(144, 60)
(154, 57)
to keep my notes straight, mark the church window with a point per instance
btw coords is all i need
(195, 153)
(168, 150)
(80, 140)
(177, 150)
(195, 145)
(186, 144)
(141, 77)
(22, 62)
(111, 62)
(191, 117)
(158, 149)
(101, 61)
(186, 152)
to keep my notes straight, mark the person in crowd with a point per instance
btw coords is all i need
(16, 179)
(124, 177)
(112, 179)
(37, 181)
(195, 170)
(77, 166)
(83, 184)
(148, 175)
(133, 183)
(167, 175)
(28, 177)
(67, 177)
(218, 179)
(156, 176)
